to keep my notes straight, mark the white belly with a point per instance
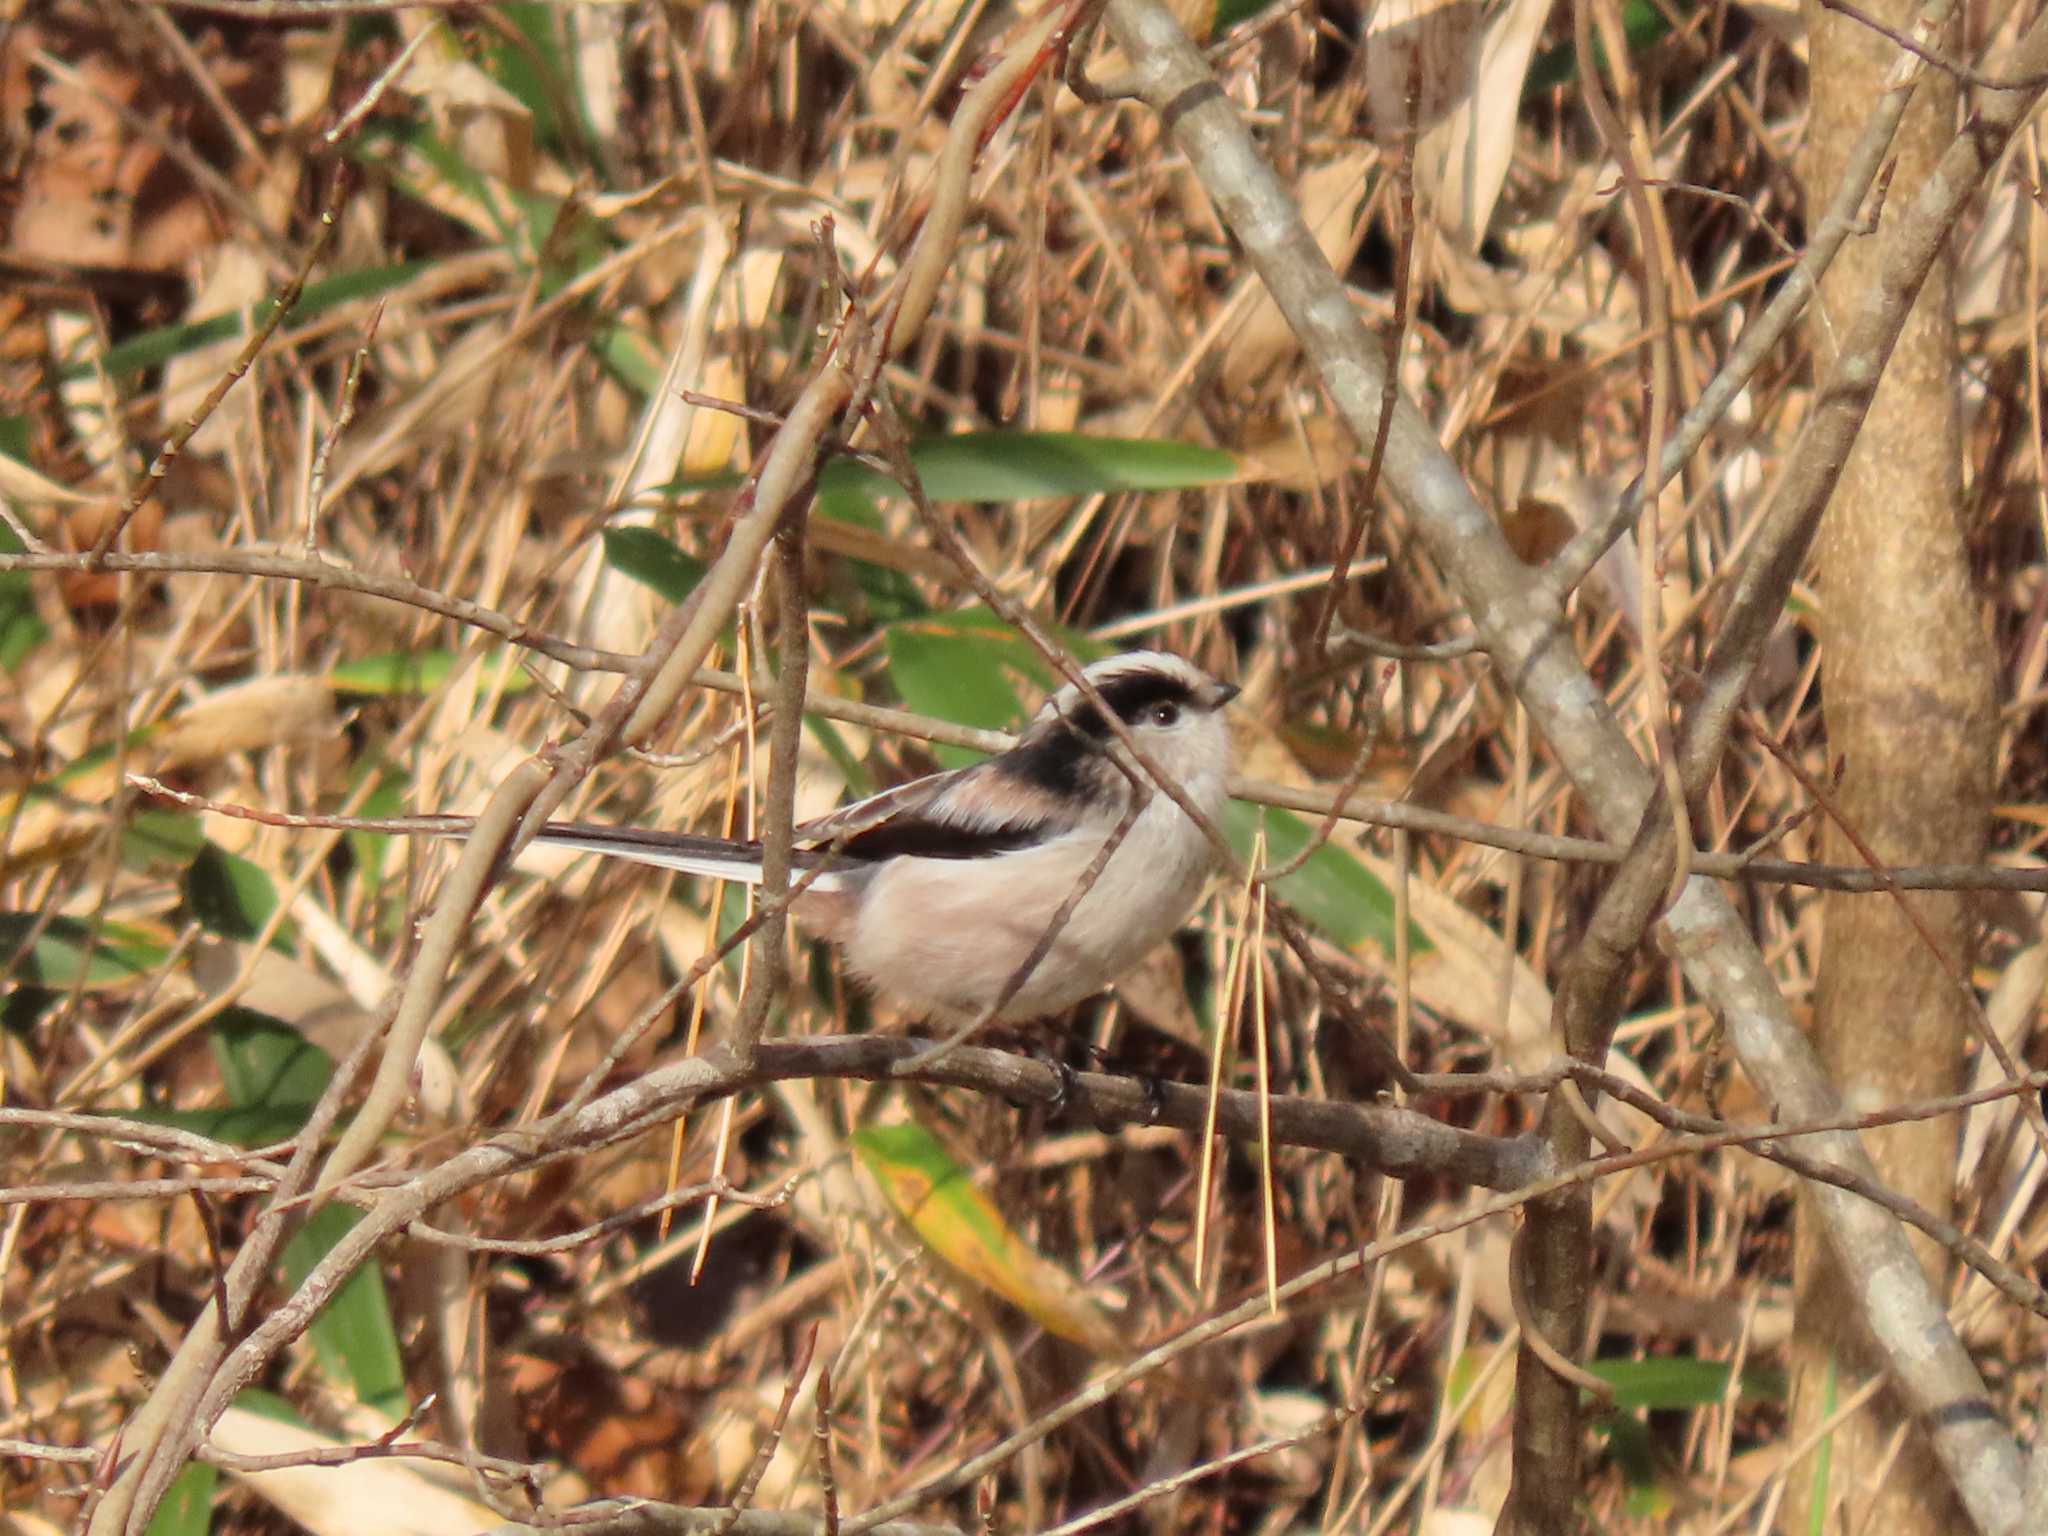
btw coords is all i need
(944, 936)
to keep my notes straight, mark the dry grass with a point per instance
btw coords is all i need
(502, 420)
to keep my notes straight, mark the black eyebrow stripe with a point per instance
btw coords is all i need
(1130, 696)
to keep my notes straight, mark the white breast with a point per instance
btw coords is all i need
(944, 936)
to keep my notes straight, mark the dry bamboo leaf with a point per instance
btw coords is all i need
(1482, 1422)
(88, 412)
(607, 206)
(919, 24)
(1447, 1521)
(1296, 1414)
(836, 1206)
(471, 760)
(76, 193)
(878, 548)
(284, 989)
(1157, 992)
(1300, 460)
(1468, 975)
(310, 56)
(489, 128)
(161, 1234)
(1989, 258)
(1060, 401)
(600, 63)
(1554, 310)
(25, 487)
(1452, 75)
(366, 978)
(245, 717)
(733, 1441)
(1786, 18)
(617, 612)
(454, 391)
(1537, 529)
(2012, 1010)
(80, 529)
(717, 439)
(392, 1497)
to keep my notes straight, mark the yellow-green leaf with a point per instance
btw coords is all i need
(961, 1225)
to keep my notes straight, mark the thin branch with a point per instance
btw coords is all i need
(597, 1231)
(259, 338)
(294, 10)
(765, 1452)
(1158, 1488)
(1966, 993)
(646, 1517)
(769, 978)
(1316, 802)
(1934, 56)
(1760, 338)
(1521, 626)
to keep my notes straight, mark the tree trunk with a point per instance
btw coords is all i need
(1907, 687)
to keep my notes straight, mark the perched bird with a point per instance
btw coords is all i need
(938, 890)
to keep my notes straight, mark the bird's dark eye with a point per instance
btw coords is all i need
(1165, 714)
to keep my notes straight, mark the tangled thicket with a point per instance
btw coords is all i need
(560, 238)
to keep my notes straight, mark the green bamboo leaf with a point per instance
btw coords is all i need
(532, 72)
(1630, 1448)
(828, 736)
(271, 1071)
(959, 666)
(1643, 24)
(1229, 13)
(1681, 1381)
(639, 364)
(1332, 890)
(1023, 466)
(265, 1063)
(230, 896)
(952, 674)
(258, 1127)
(69, 952)
(187, 1509)
(891, 594)
(653, 561)
(407, 673)
(353, 1337)
(1824, 1458)
(156, 839)
(21, 631)
(152, 348)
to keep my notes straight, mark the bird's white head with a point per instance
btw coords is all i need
(1174, 711)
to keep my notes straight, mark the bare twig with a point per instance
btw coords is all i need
(1966, 993)
(259, 338)
(1934, 56)
(1520, 625)
(764, 1453)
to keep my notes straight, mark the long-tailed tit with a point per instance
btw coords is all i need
(938, 891)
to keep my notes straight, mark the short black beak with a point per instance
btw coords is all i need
(1221, 694)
